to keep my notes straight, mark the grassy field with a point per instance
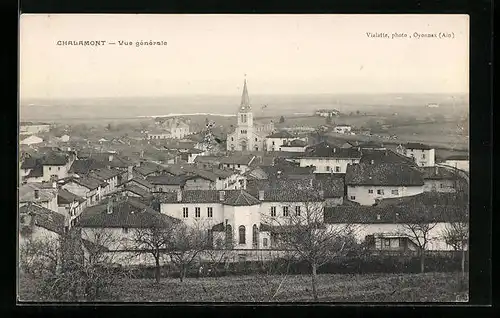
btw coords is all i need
(429, 287)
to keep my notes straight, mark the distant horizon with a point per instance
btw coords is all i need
(233, 95)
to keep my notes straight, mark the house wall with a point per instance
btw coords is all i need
(361, 194)
(274, 144)
(165, 188)
(265, 211)
(199, 184)
(92, 197)
(327, 165)
(342, 129)
(179, 132)
(423, 158)
(133, 182)
(245, 216)
(239, 167)
(60, 171)
(293, 149)
(436, 241)
(329, 202)
(458, 164)
(439, 186)
(39, 233)
(33, 179)
(175, 210)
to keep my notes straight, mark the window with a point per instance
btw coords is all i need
(297, 210)
(229, 236)
(125, 230)
(197, 212)
(387, 242)
(210, 212)
(238, 166)
(232, 139)
(58, 168)
(264, 242)
(185, 212)
(327, 168)
(395, 192)
(380, 191)
(242, 234)
(255, 139)
(160, 189)
(370, 190)
(273, 211)
(337, 169)
(353, 197)
(285, 211)
(423, 156)
(255, 236)
(50, 168)
(273, 143)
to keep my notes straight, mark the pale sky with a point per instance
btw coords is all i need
(209, 54)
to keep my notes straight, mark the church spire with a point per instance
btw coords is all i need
(245, 100)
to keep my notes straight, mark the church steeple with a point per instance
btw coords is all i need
(245, 100)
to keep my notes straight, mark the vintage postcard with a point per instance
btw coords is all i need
(243, 158)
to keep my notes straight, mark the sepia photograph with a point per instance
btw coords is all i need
(264, 158)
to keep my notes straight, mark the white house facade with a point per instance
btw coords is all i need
(423, 155)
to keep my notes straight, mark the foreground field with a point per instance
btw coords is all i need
(429, 287)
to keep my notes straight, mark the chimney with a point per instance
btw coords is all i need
(222, 195)
(437, 169)
(179, 195)
(261, 195)
(372, 161)
(334, 150)
(378, 216)
(37, 194)
(321, 194)
(54, 184)
(142, 153)
(110, 158)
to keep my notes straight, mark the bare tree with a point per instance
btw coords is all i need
(186, 243)
(456, 233)
(418, 224)
(303, 233)
(154, 240)
(41, 256)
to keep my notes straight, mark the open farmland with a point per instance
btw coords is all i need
(437, 287)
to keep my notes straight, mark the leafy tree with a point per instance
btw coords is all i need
(456, 233)
(282, 120)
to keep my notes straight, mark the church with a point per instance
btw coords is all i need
(248, 136)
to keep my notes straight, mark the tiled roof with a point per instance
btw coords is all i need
(192, 196)
(437, 173)
(30, 163)
(241, 198)
(384, 156)
(66, 197)
(332, 186)
(371, 145)
(44, 217)
(89, 183)
(54, 159)
(36, 172)
(289, 194)
(428, 199)
(142, 182)
(208, 159)
(281, 134)
(237, 159)
(416, 145)
(392, 214)
(27, 193)
(296, 143)
(458, 157)
(383, 175)
(167, 180)
(105, 173)
(84, 166)
(127, 212)
(137, 190)
(331, 152)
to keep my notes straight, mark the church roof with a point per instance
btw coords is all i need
(245, 100)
